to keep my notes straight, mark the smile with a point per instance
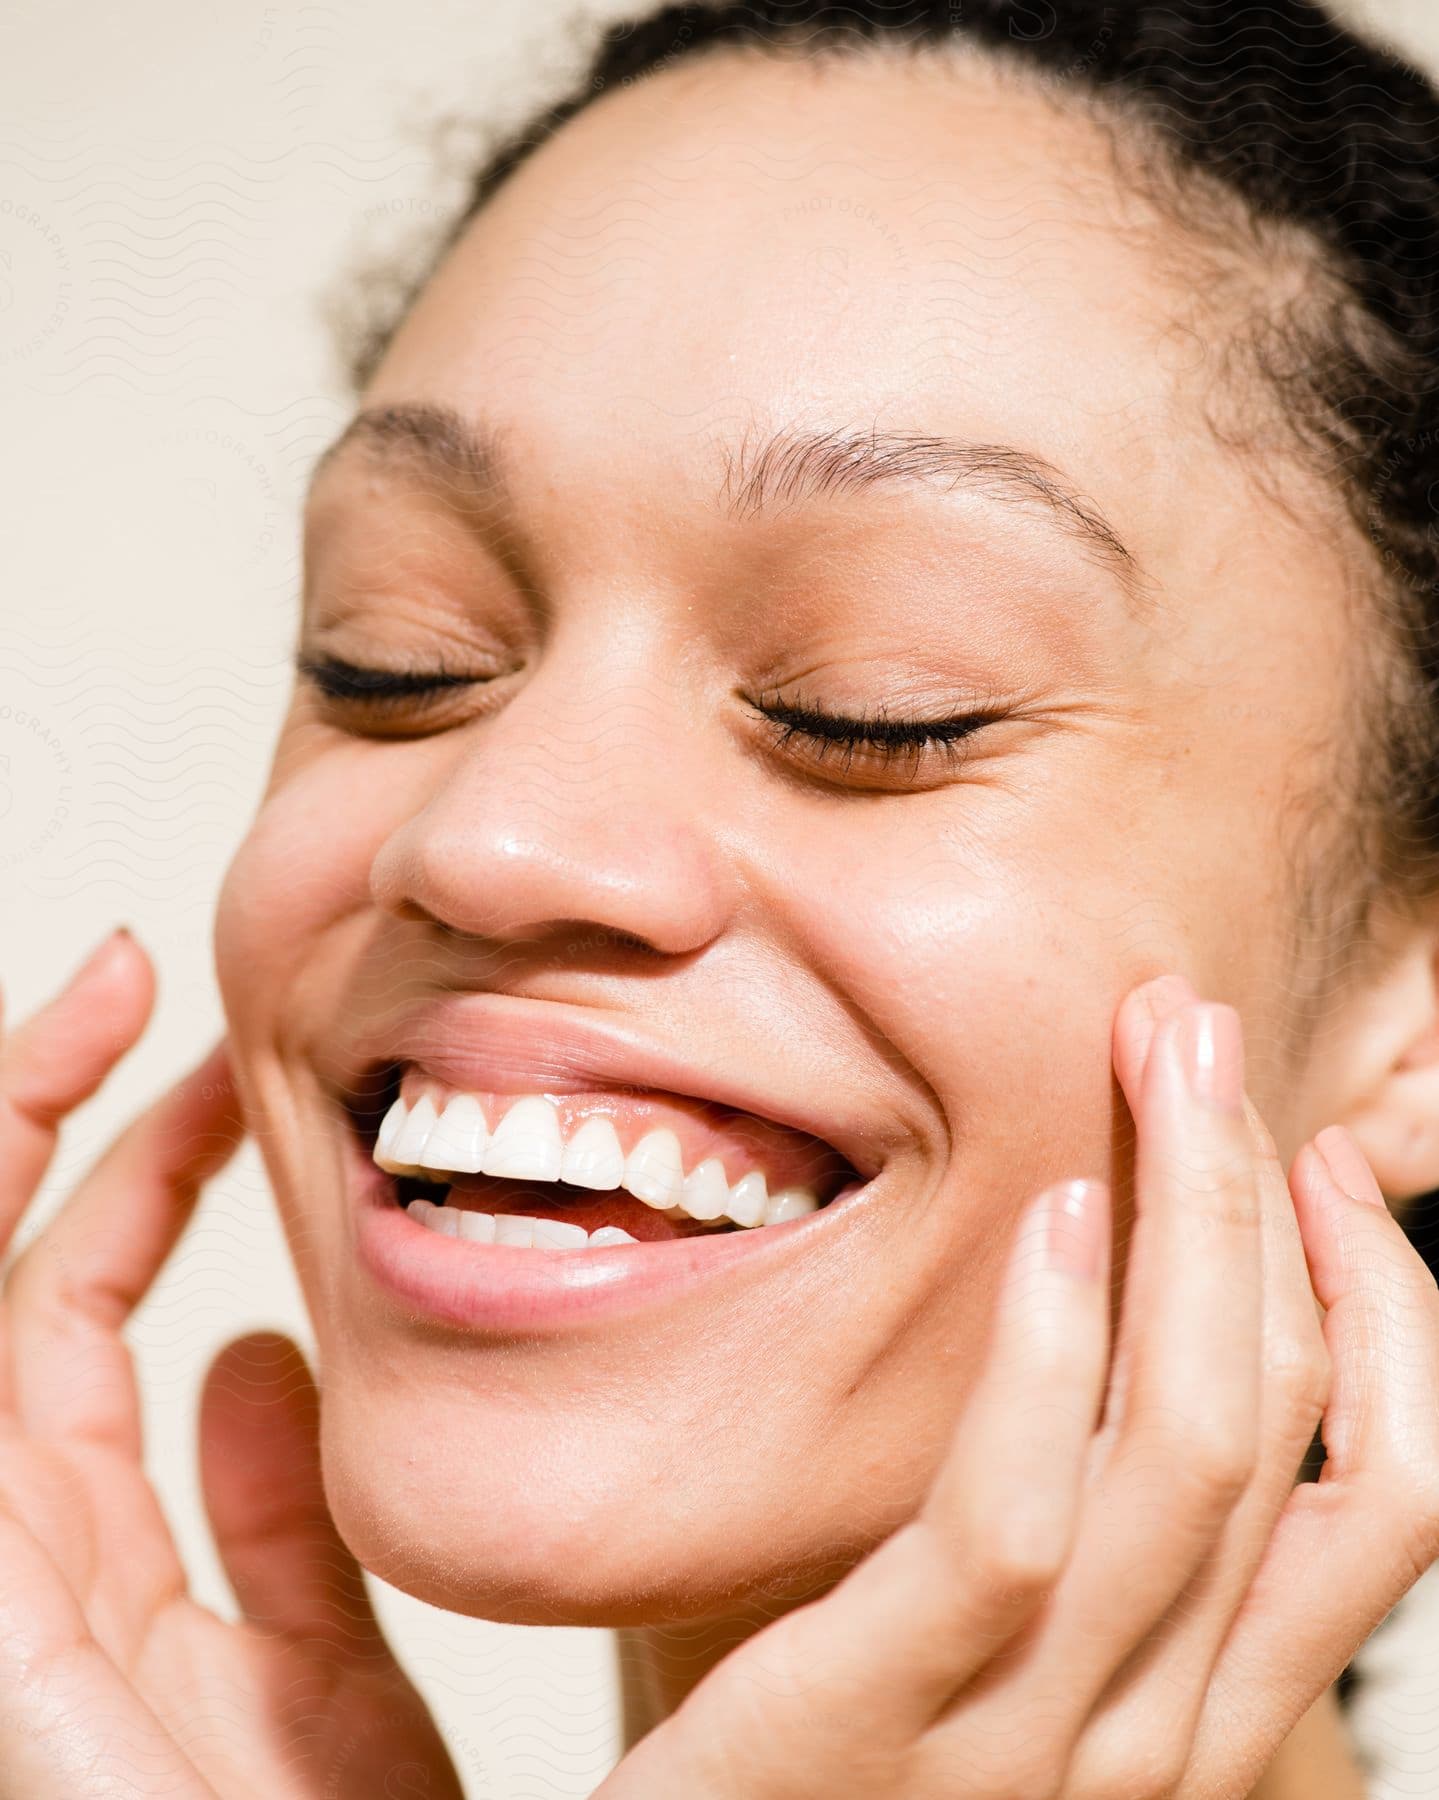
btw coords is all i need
(517, 1166)
(569, 1171)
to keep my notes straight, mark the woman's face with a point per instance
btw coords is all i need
(864, 389)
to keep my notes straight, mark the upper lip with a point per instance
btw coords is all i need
(506, 1044)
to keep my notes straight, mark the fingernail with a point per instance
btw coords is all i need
(1074, 1238)
(100, 952)
(1160, 997)
(1211, 1046)
(1349, 1167)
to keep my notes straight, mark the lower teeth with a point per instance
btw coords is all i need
(515, 1229)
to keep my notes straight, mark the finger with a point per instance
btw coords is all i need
(1370, 1524)
(70, 1723)
(58, 1058)
(260, 1471)
(1194, 1258)
(71, 1291)
(1159, 1694)
(1139, 1015)
(880, 1657)
(1165, 1481)
(1137, 1019)
(1372, 1284)
(1195, 1286)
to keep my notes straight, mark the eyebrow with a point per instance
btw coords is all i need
(436, 441)
(781, 470)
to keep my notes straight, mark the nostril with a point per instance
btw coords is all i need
(629, 940)
(414, 914)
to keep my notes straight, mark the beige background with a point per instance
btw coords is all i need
(180, 187)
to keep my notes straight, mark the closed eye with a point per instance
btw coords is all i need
(873, 737)
(829, 741)
(339, 680)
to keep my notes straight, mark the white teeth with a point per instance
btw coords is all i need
(390, 1127)
(556, 1234)
(512, 1229)
(458, 1142)
(593, 1158)
(789, 1203)
(654, 1171)
(706, 1192)
(747, 1199)
(410, 1140)
(519, 1230)
(527, 1145)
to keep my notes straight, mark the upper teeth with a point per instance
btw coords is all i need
(528, 1145)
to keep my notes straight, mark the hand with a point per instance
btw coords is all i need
(113, 1681)
(1144, 1608)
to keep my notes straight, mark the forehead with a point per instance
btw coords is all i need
(750, 243)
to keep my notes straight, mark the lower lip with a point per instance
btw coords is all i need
(505, 1288)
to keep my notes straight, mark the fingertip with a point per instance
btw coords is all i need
(1142, 1011)
(248, 1369)
(1079, 1228)
(1309, 1178)
(255, 1385)
(1327, 1216)
(1348, 1166)
(118, 976)
(257, 1430)
(1166, 994)
(199, 1118)
(116, 949)
(212, 1079)
(58, 1057)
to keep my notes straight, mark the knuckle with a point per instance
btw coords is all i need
(1199, 1462)
(1302, 1377)
(30, 1280)
(1021, 1559)
(1215, 1466)
(1219, 1193)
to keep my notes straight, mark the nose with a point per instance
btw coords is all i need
(573, 811)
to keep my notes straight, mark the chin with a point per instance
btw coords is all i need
(551, 1528)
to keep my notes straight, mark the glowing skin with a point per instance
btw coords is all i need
(609, 832)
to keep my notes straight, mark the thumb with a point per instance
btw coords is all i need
(260, 1474)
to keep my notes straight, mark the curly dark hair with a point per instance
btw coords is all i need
(1275, 132)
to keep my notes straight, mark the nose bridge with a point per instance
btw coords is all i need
(576, 803)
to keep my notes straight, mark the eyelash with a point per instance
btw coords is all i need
(877, 733)
(352, 685)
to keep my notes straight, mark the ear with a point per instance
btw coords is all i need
(1393, 1068)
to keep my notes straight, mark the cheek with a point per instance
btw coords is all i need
(992, 970)
(303, 867)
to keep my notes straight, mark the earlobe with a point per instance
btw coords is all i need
(1398, 1131)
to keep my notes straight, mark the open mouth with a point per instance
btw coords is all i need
(591, 1169)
